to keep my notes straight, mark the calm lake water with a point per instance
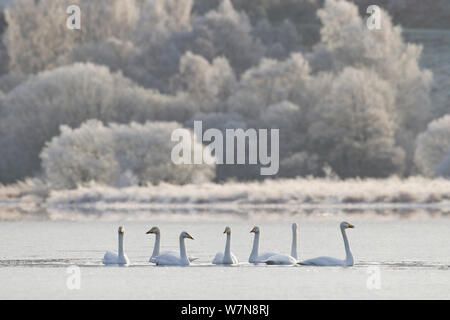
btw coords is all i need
(410, 255)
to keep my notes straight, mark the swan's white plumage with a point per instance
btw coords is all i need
(324, 261)
(174, 253)
(285, 259)
(218, 259)
(255, 257)
(329, 261)
(112, 258)
(117, 258)
(156, 247)
(281, 259)
(262, 258)
(226, 257)
(153, 258)
(171, 259)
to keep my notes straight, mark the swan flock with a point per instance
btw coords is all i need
(226, 257)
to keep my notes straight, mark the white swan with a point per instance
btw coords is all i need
(285, 259)
(329, 261)
(254, 255)
(168, 259)
(226, 257)
(156, 248)
(120, 258)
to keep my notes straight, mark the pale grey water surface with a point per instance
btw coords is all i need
(410, 252)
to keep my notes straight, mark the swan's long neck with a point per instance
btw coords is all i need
(294, 244)
(254, 253)
(348, 253)
(157, 245)
(183, 254)
(120, 251)
(227, 253)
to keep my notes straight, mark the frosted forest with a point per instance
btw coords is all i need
(86, 115)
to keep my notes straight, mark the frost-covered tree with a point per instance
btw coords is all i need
(11, 80)
(102, 19)
(440, 95)
(263, 98)
(116, 54)
(226, 32)
(160, 36)
(356, 101)
(300, 164)
(167, 30)
(354, 131)
(443, 168)
(117, 155)
(433, 148)
(291, 120)
(271, 82)
(300, 12)
(70, 95)
(223, 121)
(346, 41)
(279, 40)
(209, 84)
(162, 17)
(276, 95)
(37, 37)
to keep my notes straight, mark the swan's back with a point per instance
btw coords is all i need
(110, 258)
(263, 257)
(153, 259)
(281, 259)
(218, 259)
(324, 261)
(170, 259)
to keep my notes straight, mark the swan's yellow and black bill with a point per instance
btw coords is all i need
(351, 226)
(227, 230)
(189, 236)
(253, 230)
(121, 230)
(152, 230)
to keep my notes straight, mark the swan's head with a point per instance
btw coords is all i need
(345, 225)
(154, 230)
(185, 235)
(227, 230)
(121, 230)
(294, 226)
(255, 230)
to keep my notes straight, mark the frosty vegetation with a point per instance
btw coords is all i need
(117, 155)
(277, 197)
(98, 104)
(433, 148)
